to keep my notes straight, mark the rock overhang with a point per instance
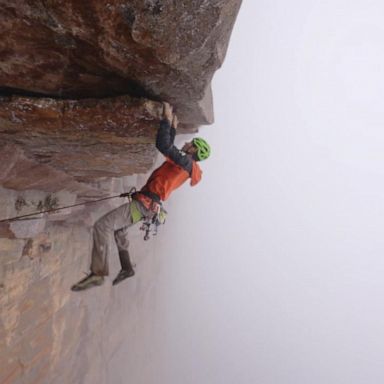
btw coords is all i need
(83, 82)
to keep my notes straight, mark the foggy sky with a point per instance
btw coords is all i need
(273, 265)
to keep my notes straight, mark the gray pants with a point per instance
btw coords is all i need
(114, 224)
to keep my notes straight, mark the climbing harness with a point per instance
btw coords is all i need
(126, 194)
(158, 214)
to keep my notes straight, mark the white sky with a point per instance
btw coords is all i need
(275, 263)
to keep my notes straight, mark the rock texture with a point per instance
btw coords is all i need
(50, 335)
(81, 86)
(159, 49)
(90, 77)
(86, 139)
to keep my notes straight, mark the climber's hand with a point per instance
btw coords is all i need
(167, 112)
(175, 122)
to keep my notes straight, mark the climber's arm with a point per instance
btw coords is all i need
(164, 143)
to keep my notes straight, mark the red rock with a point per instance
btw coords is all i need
(84, 139)
(163, 50)
(70, 62)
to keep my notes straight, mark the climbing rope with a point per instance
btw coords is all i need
(15, 218)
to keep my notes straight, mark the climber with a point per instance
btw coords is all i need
(179, 166)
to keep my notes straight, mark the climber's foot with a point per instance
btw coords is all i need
(89, 281)
(122, 275)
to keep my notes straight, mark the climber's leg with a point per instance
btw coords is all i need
(121, 237)
(122, 242)
(103, 232)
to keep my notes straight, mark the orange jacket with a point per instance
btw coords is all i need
(177, 168)
(169, 176)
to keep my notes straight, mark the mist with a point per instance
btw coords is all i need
(272, 266)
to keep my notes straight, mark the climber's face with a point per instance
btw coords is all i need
(189, 148)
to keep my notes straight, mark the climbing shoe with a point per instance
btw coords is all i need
(122, 275)
(91, 280)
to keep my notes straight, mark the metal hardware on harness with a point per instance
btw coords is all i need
(157, 217)
(150, 226)
(146, 226)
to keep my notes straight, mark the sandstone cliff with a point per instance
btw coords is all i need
(81, 86)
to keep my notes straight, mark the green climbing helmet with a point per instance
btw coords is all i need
(203, 148)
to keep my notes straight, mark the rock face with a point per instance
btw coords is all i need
(90, 75)
(81, 86)
(49, 334)
(87, 138)
(159, 49)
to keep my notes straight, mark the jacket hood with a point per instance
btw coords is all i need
(196, 173)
